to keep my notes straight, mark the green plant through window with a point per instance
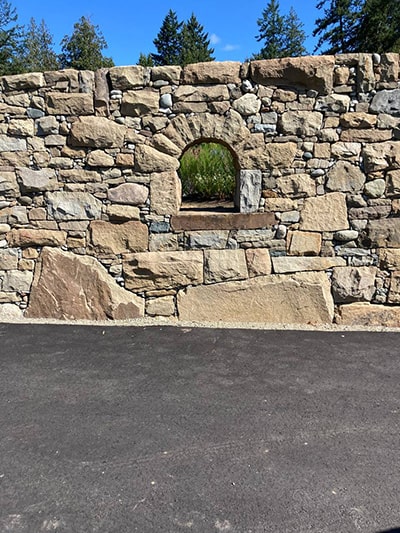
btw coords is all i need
(207, 172)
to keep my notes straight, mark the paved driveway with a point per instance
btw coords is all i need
(165, 429)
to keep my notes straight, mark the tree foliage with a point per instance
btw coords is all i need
(168, 41)
(10, 35)
(338, 27)
(37, 49)
(83, 49)
(282, 36)
(195, 43)
(145, 60)
(379, 27)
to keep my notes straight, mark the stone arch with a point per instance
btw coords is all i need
(235, 161)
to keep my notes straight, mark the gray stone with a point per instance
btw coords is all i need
(208, 239)
(375, 188)
(16, 280)
(248, 104)
(350, 284)
(12, 144)
(386, 101)
(73, 206)
(166, 100)
(250, 182)
(9, 259)
(346, 235)
(345, 177)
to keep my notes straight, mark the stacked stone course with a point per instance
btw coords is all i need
(91, 225)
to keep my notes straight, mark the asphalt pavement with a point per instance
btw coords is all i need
(169, 429)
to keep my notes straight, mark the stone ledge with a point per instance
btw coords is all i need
(217, 221)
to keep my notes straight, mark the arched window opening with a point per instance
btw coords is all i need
(209, 176)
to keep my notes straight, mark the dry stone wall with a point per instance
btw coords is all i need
(91, 225)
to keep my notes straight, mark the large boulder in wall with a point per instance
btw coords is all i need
(71, 287)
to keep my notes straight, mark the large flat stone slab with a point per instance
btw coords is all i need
(162, 270)
(303, 298)
(71, 287)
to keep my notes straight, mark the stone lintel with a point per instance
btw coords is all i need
(218, 221)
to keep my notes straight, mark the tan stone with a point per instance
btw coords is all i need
(19, 82)
(8, 311)
(163, 306)
(21, 128)
(8, 259)
(248, 104)
(296, 186)
(358, 120)
(286, 264)
(71, 287)
(384, 233)
(212, 72)
(389, 258)
(124, 78)
(393, 183)
(190, 107)
(123, 212)
(304, 243)
(295, 299)
(366, 136)
(381, 156)
(26, 264)
(162, 270)
(345, 177)
(148, 159)
(98, 158)
(128, 193)
(141, 102)
(161, 143)
(325, 213)
(212, 93)
(24, 238)
(394, 290)
(322, 151)
(97, 132)
(283, 95)
(109, 238)
(124, 160)
(223, 265)
(70, 104)
(79, 175)
(346, 150)
(312, 72)
(301, 123)
(170, 73)
(272, 155)
(280, 204)
(364, 314)
(258, 262)
(165, 193)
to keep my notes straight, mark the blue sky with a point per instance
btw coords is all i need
(129, 27)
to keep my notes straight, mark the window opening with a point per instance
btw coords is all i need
(208, 173)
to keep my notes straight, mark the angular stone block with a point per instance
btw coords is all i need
(303, 298)
(139, 103)
(312, 72)
(71, 287)
(165, 193)
(345, 177)
(224, 265)
(384, 233)
(258, 262)
(73, 206)
(304, 243)
(24, 238)
(70, 104)
(325, 213)
(249, 191)
(116, 239)
(212, 72)
(364, 314)
(148, 159)
(124, 78)
(97, 132)
(286, 264)
(353, 284)
(162, 270)
(128, 193)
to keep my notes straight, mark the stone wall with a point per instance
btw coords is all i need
(91, 225)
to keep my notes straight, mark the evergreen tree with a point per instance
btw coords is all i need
(145, 60)
(168, 41)
(10, 35)
(195, 43)
(83, 49)
(379, 28)
(37, 44)
(283, 36)
(338, 27)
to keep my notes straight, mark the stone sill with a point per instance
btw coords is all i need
(218, 221)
